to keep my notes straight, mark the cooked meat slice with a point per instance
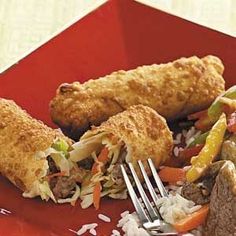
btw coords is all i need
(196, 193)
(86, 163)
(229, 149)
(200, 191)
(62, 186)
(221, 220)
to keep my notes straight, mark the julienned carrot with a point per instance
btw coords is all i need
(171, 174)
(103, 156)
(62, 173)
(97, 195)
(193, 220)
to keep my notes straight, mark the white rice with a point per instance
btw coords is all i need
(85, 228)
(115, 232)
(93, 232)
(178, 138)
(4, 211)
(104, 218)
(175, 208)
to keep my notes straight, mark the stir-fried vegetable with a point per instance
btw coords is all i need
(186, 154)
(216, 109)
(209, 151)
(171, 175)
(193, 220)
(201, 139)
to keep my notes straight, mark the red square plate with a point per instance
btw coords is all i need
(121, 34)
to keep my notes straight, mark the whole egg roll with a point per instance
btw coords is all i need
(136, 134)
(174, 90)
(34, 157)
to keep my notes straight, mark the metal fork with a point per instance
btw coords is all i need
(150, 218)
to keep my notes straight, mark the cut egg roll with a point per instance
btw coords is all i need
(34, 157)
(136, 134)
(174, 90)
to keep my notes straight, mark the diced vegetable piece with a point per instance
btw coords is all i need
(97, 195)
(232, 123)
(210, 150)
(193, 220)
(171, 174)
(201, 139)
(215, 110)
(186, 154)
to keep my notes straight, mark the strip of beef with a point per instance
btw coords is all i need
(62, 186)
(221, 220)
(200, 191)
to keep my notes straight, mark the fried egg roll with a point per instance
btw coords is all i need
(136, 134)
(34, 157)
(174, 90)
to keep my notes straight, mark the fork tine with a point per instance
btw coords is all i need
(147, 181)
(159, 183)
(153, 214)
(137, 205)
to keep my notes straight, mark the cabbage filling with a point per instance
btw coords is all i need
(60, 181)
(101, 157)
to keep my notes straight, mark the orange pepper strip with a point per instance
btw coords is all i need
(193, 220)
(170, 174)
(97, 195)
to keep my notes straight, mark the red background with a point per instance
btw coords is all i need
(121, 34)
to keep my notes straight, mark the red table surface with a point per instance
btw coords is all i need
(121, 34)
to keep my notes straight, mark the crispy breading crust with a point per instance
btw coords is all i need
(143, 131)
(21, 137)
(173, 90)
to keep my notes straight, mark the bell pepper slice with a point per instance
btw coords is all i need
(216, 109)
(210, 150)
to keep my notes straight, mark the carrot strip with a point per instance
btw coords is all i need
(62, 173)
(193, 220)
(170, 174)
(97, 195)
(103, 156)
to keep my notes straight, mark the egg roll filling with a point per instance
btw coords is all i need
(59, 182)
(100, 156)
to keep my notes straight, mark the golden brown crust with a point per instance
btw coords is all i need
(144, 132)
(173, 90)
(21, 137)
